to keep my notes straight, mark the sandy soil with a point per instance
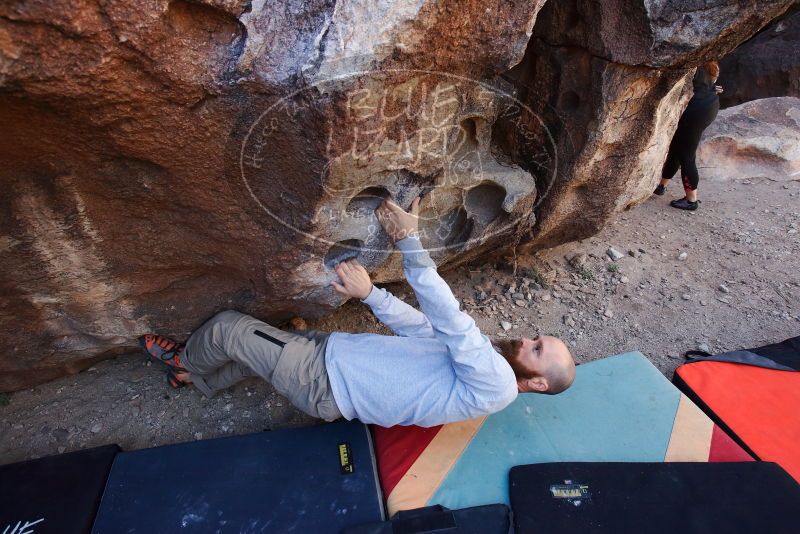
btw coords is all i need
(736, 286)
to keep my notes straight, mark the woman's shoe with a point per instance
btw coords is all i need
(683, 204)
(660, 190)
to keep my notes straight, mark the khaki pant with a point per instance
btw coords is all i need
(232, 346)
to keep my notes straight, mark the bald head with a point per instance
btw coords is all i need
(560, 369)
(542, 364)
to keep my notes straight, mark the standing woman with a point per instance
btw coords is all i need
(701, 111)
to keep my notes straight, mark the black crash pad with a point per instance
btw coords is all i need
(57, 494)
(654, 497)
(487, 519)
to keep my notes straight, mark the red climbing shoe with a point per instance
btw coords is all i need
(164, 350)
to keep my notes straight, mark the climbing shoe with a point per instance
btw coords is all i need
(683, 204)
(163, 349)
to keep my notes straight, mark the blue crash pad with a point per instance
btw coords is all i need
(315, 479)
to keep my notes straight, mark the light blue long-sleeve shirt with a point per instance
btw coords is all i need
(438, 369)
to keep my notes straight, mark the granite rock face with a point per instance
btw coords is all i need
(768, 65)
(757, 139)
(164, 160)
(611, 89)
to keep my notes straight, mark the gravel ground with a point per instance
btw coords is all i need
(722, 278)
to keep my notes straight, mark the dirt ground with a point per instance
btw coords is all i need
(722, 278)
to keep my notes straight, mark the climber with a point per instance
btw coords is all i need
(699, 114)
(438, 369)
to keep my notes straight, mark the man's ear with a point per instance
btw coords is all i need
(537, 384)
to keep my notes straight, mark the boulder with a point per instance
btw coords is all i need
(167, 159)
(655, 34)
(757, 139)
(611, 89)
(765, 66)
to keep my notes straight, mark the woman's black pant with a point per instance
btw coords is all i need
(683, 148)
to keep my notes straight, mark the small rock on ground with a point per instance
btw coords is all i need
(614, 254)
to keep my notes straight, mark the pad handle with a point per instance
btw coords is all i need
(434, 518)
